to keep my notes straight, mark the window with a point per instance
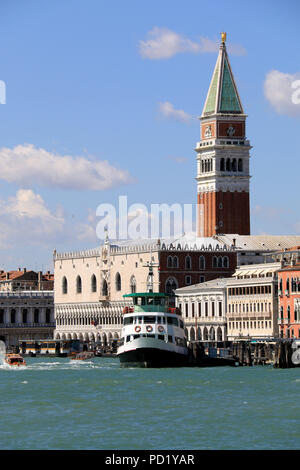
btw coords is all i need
(220, 309)
(24, 316)
(78, 285)
(93, 283)
(171, 285)
(240, 165)
(36, 315)
(169, 262)
(225, 262)
(118, 282)
(188, 280)
(175, 262)
(104, 290)
(201, 262)
(188, 262)
(48, 315)
(222, 164)
(172, 321)
(132, 285)
(64, 285)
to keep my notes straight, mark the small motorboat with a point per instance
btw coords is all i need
(82, 356)
(14, 360)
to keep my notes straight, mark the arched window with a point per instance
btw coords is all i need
(93, 283)
(175, 262)
(215, 262)
(132, 285)
(171, 285)
(233, 167)
(222, 164)
(2, 315)
(228, 168)
(118, 282)
(240, 165)
(225, 262)
(64, 285)
(188, 262)
(169, 262)
(201, 262)
(281, 313)
(288, 284)
(289, 312)
(78, 285)
(220, 262)
(104, 290)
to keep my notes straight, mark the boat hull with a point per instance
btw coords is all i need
(152, 357)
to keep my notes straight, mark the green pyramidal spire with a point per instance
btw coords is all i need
(222, 95)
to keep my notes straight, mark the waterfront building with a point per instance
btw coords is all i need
(252, 302)
(203, 308)
(24, 279)
(90, 284)
(26, 314)
(289, 296)
(223, 157)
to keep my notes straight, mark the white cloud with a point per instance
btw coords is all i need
(27, 165)
(162, 43)
(167, 110)
(26, 220)
(282, 90)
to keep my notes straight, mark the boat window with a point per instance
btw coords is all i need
(158, 320)
(172, 321)
(170, 339)
(136, 336)
(127, 338)
(179, 341)
(141, 301)
(140, 320)
(163, 320)
(158, 301)
(150, 336)
(161, 337)
(149, 319)
(150, 301)
(128, 321)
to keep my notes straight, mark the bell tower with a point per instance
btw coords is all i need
(223, 157)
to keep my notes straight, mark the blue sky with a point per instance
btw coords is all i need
(79, 83)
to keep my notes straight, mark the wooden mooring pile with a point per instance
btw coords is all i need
(279, 353)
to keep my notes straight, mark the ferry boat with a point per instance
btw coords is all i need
(14, 360)
(153, 333)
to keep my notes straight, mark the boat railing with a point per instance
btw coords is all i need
(151, 308)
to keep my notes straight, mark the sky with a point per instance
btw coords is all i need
(101, 99)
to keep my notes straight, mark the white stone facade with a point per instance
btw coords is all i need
(26, 315)
(203, 308)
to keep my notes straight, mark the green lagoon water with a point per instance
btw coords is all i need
(61, 404)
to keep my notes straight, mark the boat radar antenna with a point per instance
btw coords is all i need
(150, 282)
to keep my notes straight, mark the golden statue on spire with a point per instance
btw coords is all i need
(223, 36)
